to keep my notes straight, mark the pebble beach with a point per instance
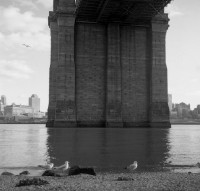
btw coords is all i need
(141, 181)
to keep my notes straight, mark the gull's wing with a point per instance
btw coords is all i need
(60, 167)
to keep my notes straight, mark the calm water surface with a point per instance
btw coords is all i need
(27, 146)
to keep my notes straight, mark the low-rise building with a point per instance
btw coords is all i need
(17, 110)
(196, 112)
(183, 110)
(173, 115)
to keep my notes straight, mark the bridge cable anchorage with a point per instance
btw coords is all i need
(158, 12)
(136, 8)
(127, 10)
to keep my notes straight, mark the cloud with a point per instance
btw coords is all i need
(194, 93)
(34, 4)
(24, 3)
(46, 3)
(173, 11)
(18, 28)
(194, 80)
(13, 20)
(15, 69)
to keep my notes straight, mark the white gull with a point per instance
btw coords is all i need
(133, 166)
(63, 167)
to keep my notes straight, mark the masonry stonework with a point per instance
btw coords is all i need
(106, 74)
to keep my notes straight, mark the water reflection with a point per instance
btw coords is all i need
(27, 146)
(108, 148)
(22, 145)
(184, 142)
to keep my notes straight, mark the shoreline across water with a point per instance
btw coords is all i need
(143, 181)
(176, 168)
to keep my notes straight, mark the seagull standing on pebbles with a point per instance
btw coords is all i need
(133, 166)
(64, 166)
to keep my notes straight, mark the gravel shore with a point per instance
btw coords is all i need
(142, 181)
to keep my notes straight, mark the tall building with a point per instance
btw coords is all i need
(3, 99)
(34, 102)
(170, 102)
(1, 108)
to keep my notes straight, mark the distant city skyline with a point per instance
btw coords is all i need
(171, 103)
(24, 70)
(16, 112)
(33, 101)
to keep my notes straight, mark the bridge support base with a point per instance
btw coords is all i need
(103, 124)
(160, 125)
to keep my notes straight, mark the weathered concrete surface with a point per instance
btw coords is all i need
(90, 74)
(109, 74)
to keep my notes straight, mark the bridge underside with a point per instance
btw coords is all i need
(108, 65)
(126, 11)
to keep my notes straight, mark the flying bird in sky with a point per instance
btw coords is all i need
(26, 45)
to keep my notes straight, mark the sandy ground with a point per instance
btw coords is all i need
(162, 181)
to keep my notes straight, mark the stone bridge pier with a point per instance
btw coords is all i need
(108, 65)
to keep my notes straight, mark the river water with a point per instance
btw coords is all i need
(26, 146)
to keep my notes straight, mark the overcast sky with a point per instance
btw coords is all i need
(25, 70)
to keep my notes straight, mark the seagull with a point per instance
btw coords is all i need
(133, 166)
(26, 45)
(47, 166)
(63, 167)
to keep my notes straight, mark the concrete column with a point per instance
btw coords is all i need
(114, 81)
(55, 5)
(65, 103)
(67, 6)
(159, 111)
(53, 70)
